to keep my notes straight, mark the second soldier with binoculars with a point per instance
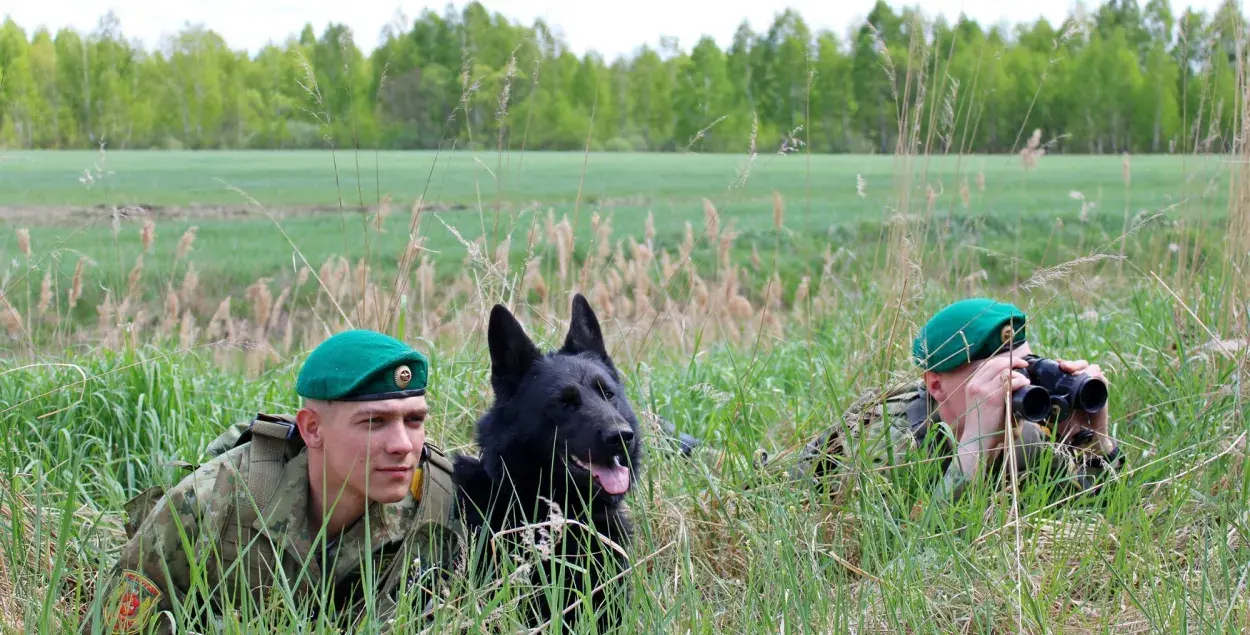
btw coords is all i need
(980, 380)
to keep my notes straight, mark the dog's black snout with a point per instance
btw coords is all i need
(621, 437)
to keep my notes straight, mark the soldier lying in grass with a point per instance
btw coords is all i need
(978, 370)
(294, 509)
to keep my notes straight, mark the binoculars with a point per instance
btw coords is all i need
(1054, 394)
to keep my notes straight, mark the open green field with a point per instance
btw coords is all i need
(320, 179)
(323, 204)
(97, 399)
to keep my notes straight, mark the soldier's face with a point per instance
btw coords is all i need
(374, 447)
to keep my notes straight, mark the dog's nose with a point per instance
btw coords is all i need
(622, 437)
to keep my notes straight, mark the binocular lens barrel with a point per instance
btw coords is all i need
(1090, 394)
(1031, 403)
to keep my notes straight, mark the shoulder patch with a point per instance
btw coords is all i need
(131, 602)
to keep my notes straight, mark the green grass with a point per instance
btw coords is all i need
(723, 545)
(740, 550)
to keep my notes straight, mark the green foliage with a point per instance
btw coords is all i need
(1164, 545)
(1118, 79)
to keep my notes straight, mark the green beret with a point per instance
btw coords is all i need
(362, 365)
(966, 331)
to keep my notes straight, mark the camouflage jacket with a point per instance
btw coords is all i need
(193, 542)
(899, 433)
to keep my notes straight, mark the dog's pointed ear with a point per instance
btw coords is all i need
(511, 351)
(584, 333)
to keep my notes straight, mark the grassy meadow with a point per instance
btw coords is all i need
(748, 307)
(252, 210)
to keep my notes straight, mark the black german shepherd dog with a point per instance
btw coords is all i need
(560, 428)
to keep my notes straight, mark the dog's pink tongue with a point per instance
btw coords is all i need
(614, 479)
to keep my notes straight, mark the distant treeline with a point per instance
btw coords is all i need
(1118, 78)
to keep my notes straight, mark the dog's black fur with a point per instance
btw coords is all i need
(548, 408)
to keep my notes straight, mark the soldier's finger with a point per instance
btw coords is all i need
(1017, 361)
(986, 372)
(998, 366)
(1001, 386)
(1018, 381)
(1073, 367)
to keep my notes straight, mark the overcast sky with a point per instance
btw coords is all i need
(614, 28)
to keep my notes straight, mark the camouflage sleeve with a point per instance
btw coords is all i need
(153, 571)
(138, 588)
(227, 439)
(822, 455)
(873, 434)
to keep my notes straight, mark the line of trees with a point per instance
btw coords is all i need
(1121, 77)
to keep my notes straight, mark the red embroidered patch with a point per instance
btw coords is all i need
(133, 600)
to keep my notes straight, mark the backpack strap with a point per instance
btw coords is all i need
(435, 492)
(272, 437)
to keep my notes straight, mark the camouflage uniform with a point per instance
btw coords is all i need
(899, 432)
(212, 508)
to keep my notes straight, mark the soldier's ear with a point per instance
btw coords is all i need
(309, 422)
(934, 385)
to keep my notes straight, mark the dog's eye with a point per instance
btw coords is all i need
(570, 397)
(605, 391)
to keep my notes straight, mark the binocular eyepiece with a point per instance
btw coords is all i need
(1054, 394)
